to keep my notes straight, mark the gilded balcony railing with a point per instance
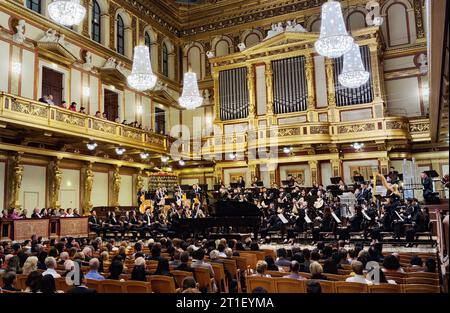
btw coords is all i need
(31, 113)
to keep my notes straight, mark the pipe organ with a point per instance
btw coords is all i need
(349, 96)
(234, 94)
(289, 85)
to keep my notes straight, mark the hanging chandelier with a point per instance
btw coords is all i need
(142, 77)
(334, 40)
(353, 73)
(190, 98)
(66, 12)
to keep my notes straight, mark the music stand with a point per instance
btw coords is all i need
(335, 180)
(287, 183)
(358, 179)
(432, 173)
(260, 184)
(234, 185)
(217, 187)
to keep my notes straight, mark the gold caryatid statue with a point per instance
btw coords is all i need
(56, 185)
(139, 181)
(17, 182)
(88, 184)
(116, 186)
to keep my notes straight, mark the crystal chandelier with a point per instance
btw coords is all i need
(66, 12)
(190, 98)
(334, 40)
(142, 77)
(353, 73)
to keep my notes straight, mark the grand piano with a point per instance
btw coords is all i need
(227, 217)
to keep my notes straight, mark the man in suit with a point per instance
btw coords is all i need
(80, 285)
(94, 224)
(184, 266)
(427, 186)
(241, 182)
(146, 222)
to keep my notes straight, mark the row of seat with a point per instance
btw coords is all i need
(290, 285)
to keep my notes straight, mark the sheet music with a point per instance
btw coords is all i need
(307, 219)
(335, 217)
(366, 216)
(282, 218)
(401, 218)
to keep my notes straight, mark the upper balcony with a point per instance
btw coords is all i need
(26, 113)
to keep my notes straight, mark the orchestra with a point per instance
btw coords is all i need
(289, 211)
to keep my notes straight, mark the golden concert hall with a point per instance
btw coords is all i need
(224, 146)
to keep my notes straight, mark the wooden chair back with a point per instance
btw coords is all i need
(180, 275)
(385, 288)
(276, 273)
(137, 287)
(419, 288)
(422, 275)
(112, 286)
(267, 283)
(270, 252)
(348, 287)
(241, 263)
(335, 277)
(21, 281)
(422, 281)
(290, 285)
(95, 284)
(219, 277)
(327, 286)
(203, 278)
(162, 284)
(61, 284)
(251, 259)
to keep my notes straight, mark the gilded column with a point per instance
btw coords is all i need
(88, 184)
(112, 25)
(251, 92)
(216, 96)
(331, 91)
(313, 166)
(384, 165)
(309, 72)
(116, 186)
(336, 167)
(17, 174)
(329, 69)
(269, 88)
(375, 65)
(85, 23)
(56, 185)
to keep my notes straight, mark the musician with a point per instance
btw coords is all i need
(427, 186)
(241, 182)
(254, 182)
(393, 176)
(446, 181)
(94, 223)
(159, 195)
(146, 222)
(325, 224)
(342, 185)
(421, 223)
(112, 223)
(364, 193)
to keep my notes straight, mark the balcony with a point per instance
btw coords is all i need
(36, 115)
(321, 133)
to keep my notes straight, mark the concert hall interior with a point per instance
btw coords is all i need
(224, 146)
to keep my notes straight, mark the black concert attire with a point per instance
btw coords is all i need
(94, 225)
(427, 188)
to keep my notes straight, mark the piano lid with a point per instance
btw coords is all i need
(234, 208)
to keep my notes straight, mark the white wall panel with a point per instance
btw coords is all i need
(4, 65)
(76, 91)
(99, 195)
(348, 179)
(126, 190)
(326, 173)
(27, 86)
(93, 98)
(403, 97)
(261, 93)
(70, 189)
(32, 193)
(321, 81)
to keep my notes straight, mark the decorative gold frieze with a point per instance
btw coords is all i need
(358, 128)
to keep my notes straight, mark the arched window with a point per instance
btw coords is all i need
(148, 42)
(120, 35)
(34, 5)
(165, 60)
(96, 16)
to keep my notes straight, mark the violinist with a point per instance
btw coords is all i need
(325, 224)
